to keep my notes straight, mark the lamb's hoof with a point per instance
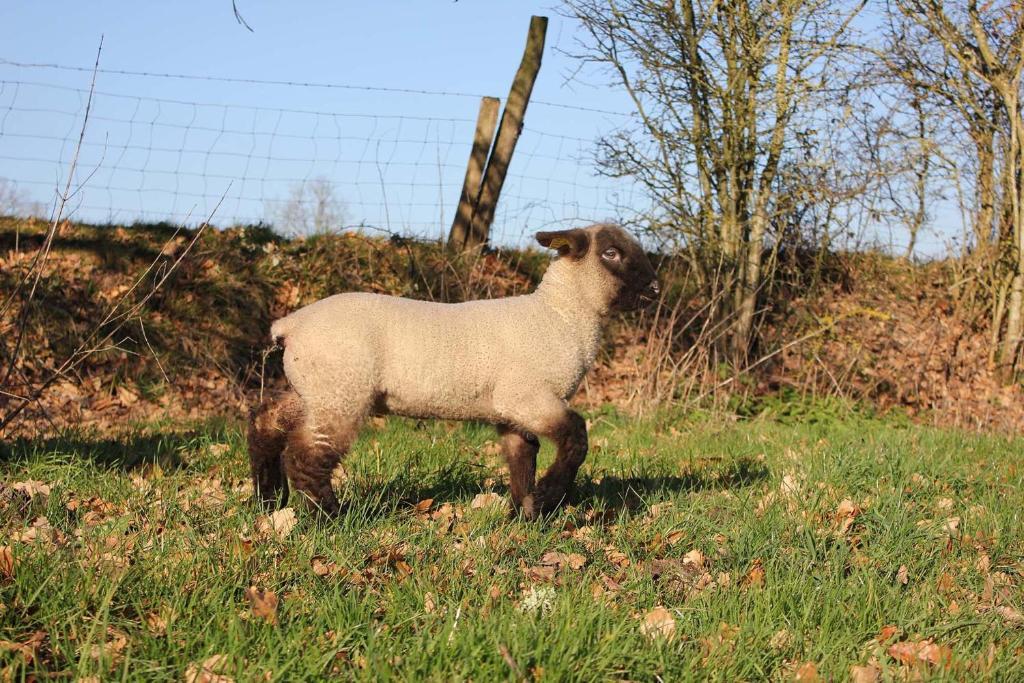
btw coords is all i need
(324, 509)
(265, 505)
(540, 503)
(525, 508)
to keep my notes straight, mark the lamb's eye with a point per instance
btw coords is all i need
(611, 254)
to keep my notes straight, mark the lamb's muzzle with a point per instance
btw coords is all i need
(513, 362)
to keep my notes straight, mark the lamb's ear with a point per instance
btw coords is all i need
(570, 243)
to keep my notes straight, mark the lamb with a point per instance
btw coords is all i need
(513, 362)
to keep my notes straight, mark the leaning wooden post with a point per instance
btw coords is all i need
(508, 133)
(486, 120)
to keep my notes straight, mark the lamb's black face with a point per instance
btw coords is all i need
(626, 261)
(631, 280)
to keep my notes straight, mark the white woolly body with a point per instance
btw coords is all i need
(496, 360)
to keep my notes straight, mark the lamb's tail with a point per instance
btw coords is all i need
(279, 330)
(269, 426)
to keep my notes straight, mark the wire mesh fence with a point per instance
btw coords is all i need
(301, 156)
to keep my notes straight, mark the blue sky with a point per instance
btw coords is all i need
(165, 148)
(168, 148)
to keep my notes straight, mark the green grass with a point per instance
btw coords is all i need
(158, 527)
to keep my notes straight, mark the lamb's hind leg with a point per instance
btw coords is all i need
(313, 451)
(269, 427)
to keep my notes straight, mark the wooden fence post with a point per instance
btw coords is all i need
(486, 120)
(482, 210)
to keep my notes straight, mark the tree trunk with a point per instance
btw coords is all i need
(1012, 337)
(1014, 317)
(984, 140)
(743, 332)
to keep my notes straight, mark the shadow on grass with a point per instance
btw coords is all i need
(630, 492)
(116, 453)
(459, 483)
(456, 483)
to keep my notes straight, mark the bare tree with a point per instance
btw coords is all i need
(14, 201)
(312, 208)
(971, 59)
(726, 94)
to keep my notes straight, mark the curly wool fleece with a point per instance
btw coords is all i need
(513, 362)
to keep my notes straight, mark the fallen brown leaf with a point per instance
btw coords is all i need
(540, 573)
(6, 562)
(321, 566)
(157, 621)
(279, 523)
(658, 509)
(674, 537)
(573, 561)
(1010, 615)
(696, 558)
(112, 648)
(790, 485)
(28, 648)
(219, 449)
(902, 576)
(658, 624)
(263, 603)
(887, 633)
(40, 530)
(446, 513)
(846, 514)
(210, 670)
(616, 557)
(482, 500)
(865, 674)
(910, 652)
(607, 585)
(807, 673)
(32, 488)
(755, 576)
(685, 573)
(723, 640)
(126, 396)
(780, 640)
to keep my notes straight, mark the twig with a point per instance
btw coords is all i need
(510, 660)
(35, 270)
(765, 358)
(142, 328)
(238, 16)
(263, 365)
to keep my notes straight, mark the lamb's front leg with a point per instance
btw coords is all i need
(550, 417)
(520, 451)
(570, 436)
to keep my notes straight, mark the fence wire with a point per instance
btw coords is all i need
(166, 147)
